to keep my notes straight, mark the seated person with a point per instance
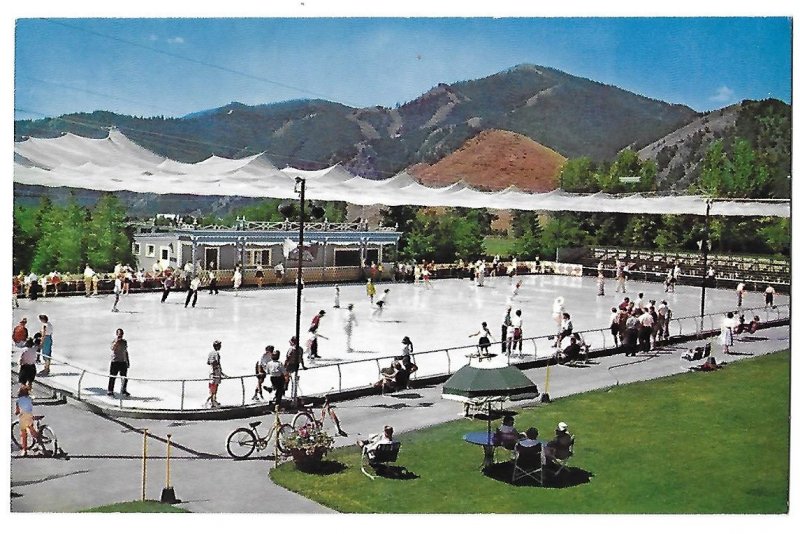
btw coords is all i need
(558, 447)
(566, 329)
(506, 435)
(741, 327)
(401, 377)
(374, 440)
(530, 439)
(571, 352)
(389, 376)
(754, 324)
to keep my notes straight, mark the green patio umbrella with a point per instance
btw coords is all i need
(487, 383)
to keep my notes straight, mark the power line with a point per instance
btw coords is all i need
(196, 61)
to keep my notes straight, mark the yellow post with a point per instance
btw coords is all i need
(144, 462)
(169, 447)
(277, 426)
(546, 394)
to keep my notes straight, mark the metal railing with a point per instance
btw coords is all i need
(337, 377)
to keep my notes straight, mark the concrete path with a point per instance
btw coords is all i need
(105, 453)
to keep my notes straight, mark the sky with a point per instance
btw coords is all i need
(176, 66)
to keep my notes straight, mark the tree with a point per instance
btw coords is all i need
(579, 175)
(107, 238)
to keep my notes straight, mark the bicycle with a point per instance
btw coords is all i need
(47, 441)
(305, 417)
(243, 441)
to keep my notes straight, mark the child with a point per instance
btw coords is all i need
(24, 409)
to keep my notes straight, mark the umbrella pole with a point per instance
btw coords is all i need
(489, 422)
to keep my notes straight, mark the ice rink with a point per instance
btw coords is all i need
(169, 344)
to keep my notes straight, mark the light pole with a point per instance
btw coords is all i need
(704, 250)
(287, 210)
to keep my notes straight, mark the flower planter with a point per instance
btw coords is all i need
(308, 458)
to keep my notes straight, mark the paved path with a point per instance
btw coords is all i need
(105, 462)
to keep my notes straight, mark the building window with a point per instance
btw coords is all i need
(165, 253)
(150, 251)
(257, 256)
(137, 249)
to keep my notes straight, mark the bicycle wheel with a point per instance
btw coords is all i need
(15, 434)
(241, 443)
(47, 439)
(303, 419)
(283, 434)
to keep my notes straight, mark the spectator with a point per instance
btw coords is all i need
(614, 325)
(46, 343)
(276, 373)
(389, 377)
(27, 363)
(120, 363)
(506, 435)
(559, 447)
(631, 335)
(377, 439)
(572, 351)
(406, 356)
(20, 333)
(516, 329)
(261, 371)
(216, 374)
(259, 276)
(279, 272)
(726, 332)
(531, 438)
(566, 329)
(645, 330)
(292, 364)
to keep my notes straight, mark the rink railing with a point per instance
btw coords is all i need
(349, 376)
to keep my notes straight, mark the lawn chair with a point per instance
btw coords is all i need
(561, 457)
(379, 456)
(528, 463)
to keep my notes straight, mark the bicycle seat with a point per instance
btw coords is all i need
(38, 417)
(255, 424)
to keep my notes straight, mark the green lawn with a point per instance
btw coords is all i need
(147, 507)
(697, 443)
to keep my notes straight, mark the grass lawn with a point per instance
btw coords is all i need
(494, 244)
(147, 507)
(695, 443)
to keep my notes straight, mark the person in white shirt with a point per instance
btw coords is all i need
(88, 277)
(261, 371)
(739, 294)
(516, 328)
(726, 332)
(377, 439)
(237, 280)
(349, 321)
(117, 291)
(276, 373)
(769, 297)
(191, 293)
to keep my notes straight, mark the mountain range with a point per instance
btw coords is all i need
(515, 127)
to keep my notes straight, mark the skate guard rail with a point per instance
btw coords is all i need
(342, 377)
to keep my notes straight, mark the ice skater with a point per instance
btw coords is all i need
(237, 280)
(349, 322)
(515, 291)
(215, 376)
(739, 294)
(769, 297)
(504, 330)
(166, 286)
(426, 278)
(516, 329)
(601, 282)
(620, 274)
(312, 345)
(483, 341)
(558, 312)
(380, 304)
(371, 291)
(337, 291)
(192, 291)
(117, 291)
(212, 283)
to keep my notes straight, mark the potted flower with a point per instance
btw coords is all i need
(308, 445)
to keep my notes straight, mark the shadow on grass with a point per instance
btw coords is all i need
(575, 476)
(394, 472)
(323, 468)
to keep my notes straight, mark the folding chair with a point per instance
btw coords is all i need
(562, 457)
(528, 463)
(379, 456)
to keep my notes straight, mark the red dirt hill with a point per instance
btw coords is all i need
(494, 160)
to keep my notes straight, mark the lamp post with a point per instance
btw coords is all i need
(704, 250)
(287, 210)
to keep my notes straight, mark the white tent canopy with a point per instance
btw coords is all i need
(118, 164)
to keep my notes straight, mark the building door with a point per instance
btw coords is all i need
(212, 258)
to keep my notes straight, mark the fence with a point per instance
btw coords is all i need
(185, 394)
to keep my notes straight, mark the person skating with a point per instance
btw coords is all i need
(216, 374)
(349, 322)
(117, 291)
(380, 303)
(312, 344)
(483, 341)
(191, 293)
